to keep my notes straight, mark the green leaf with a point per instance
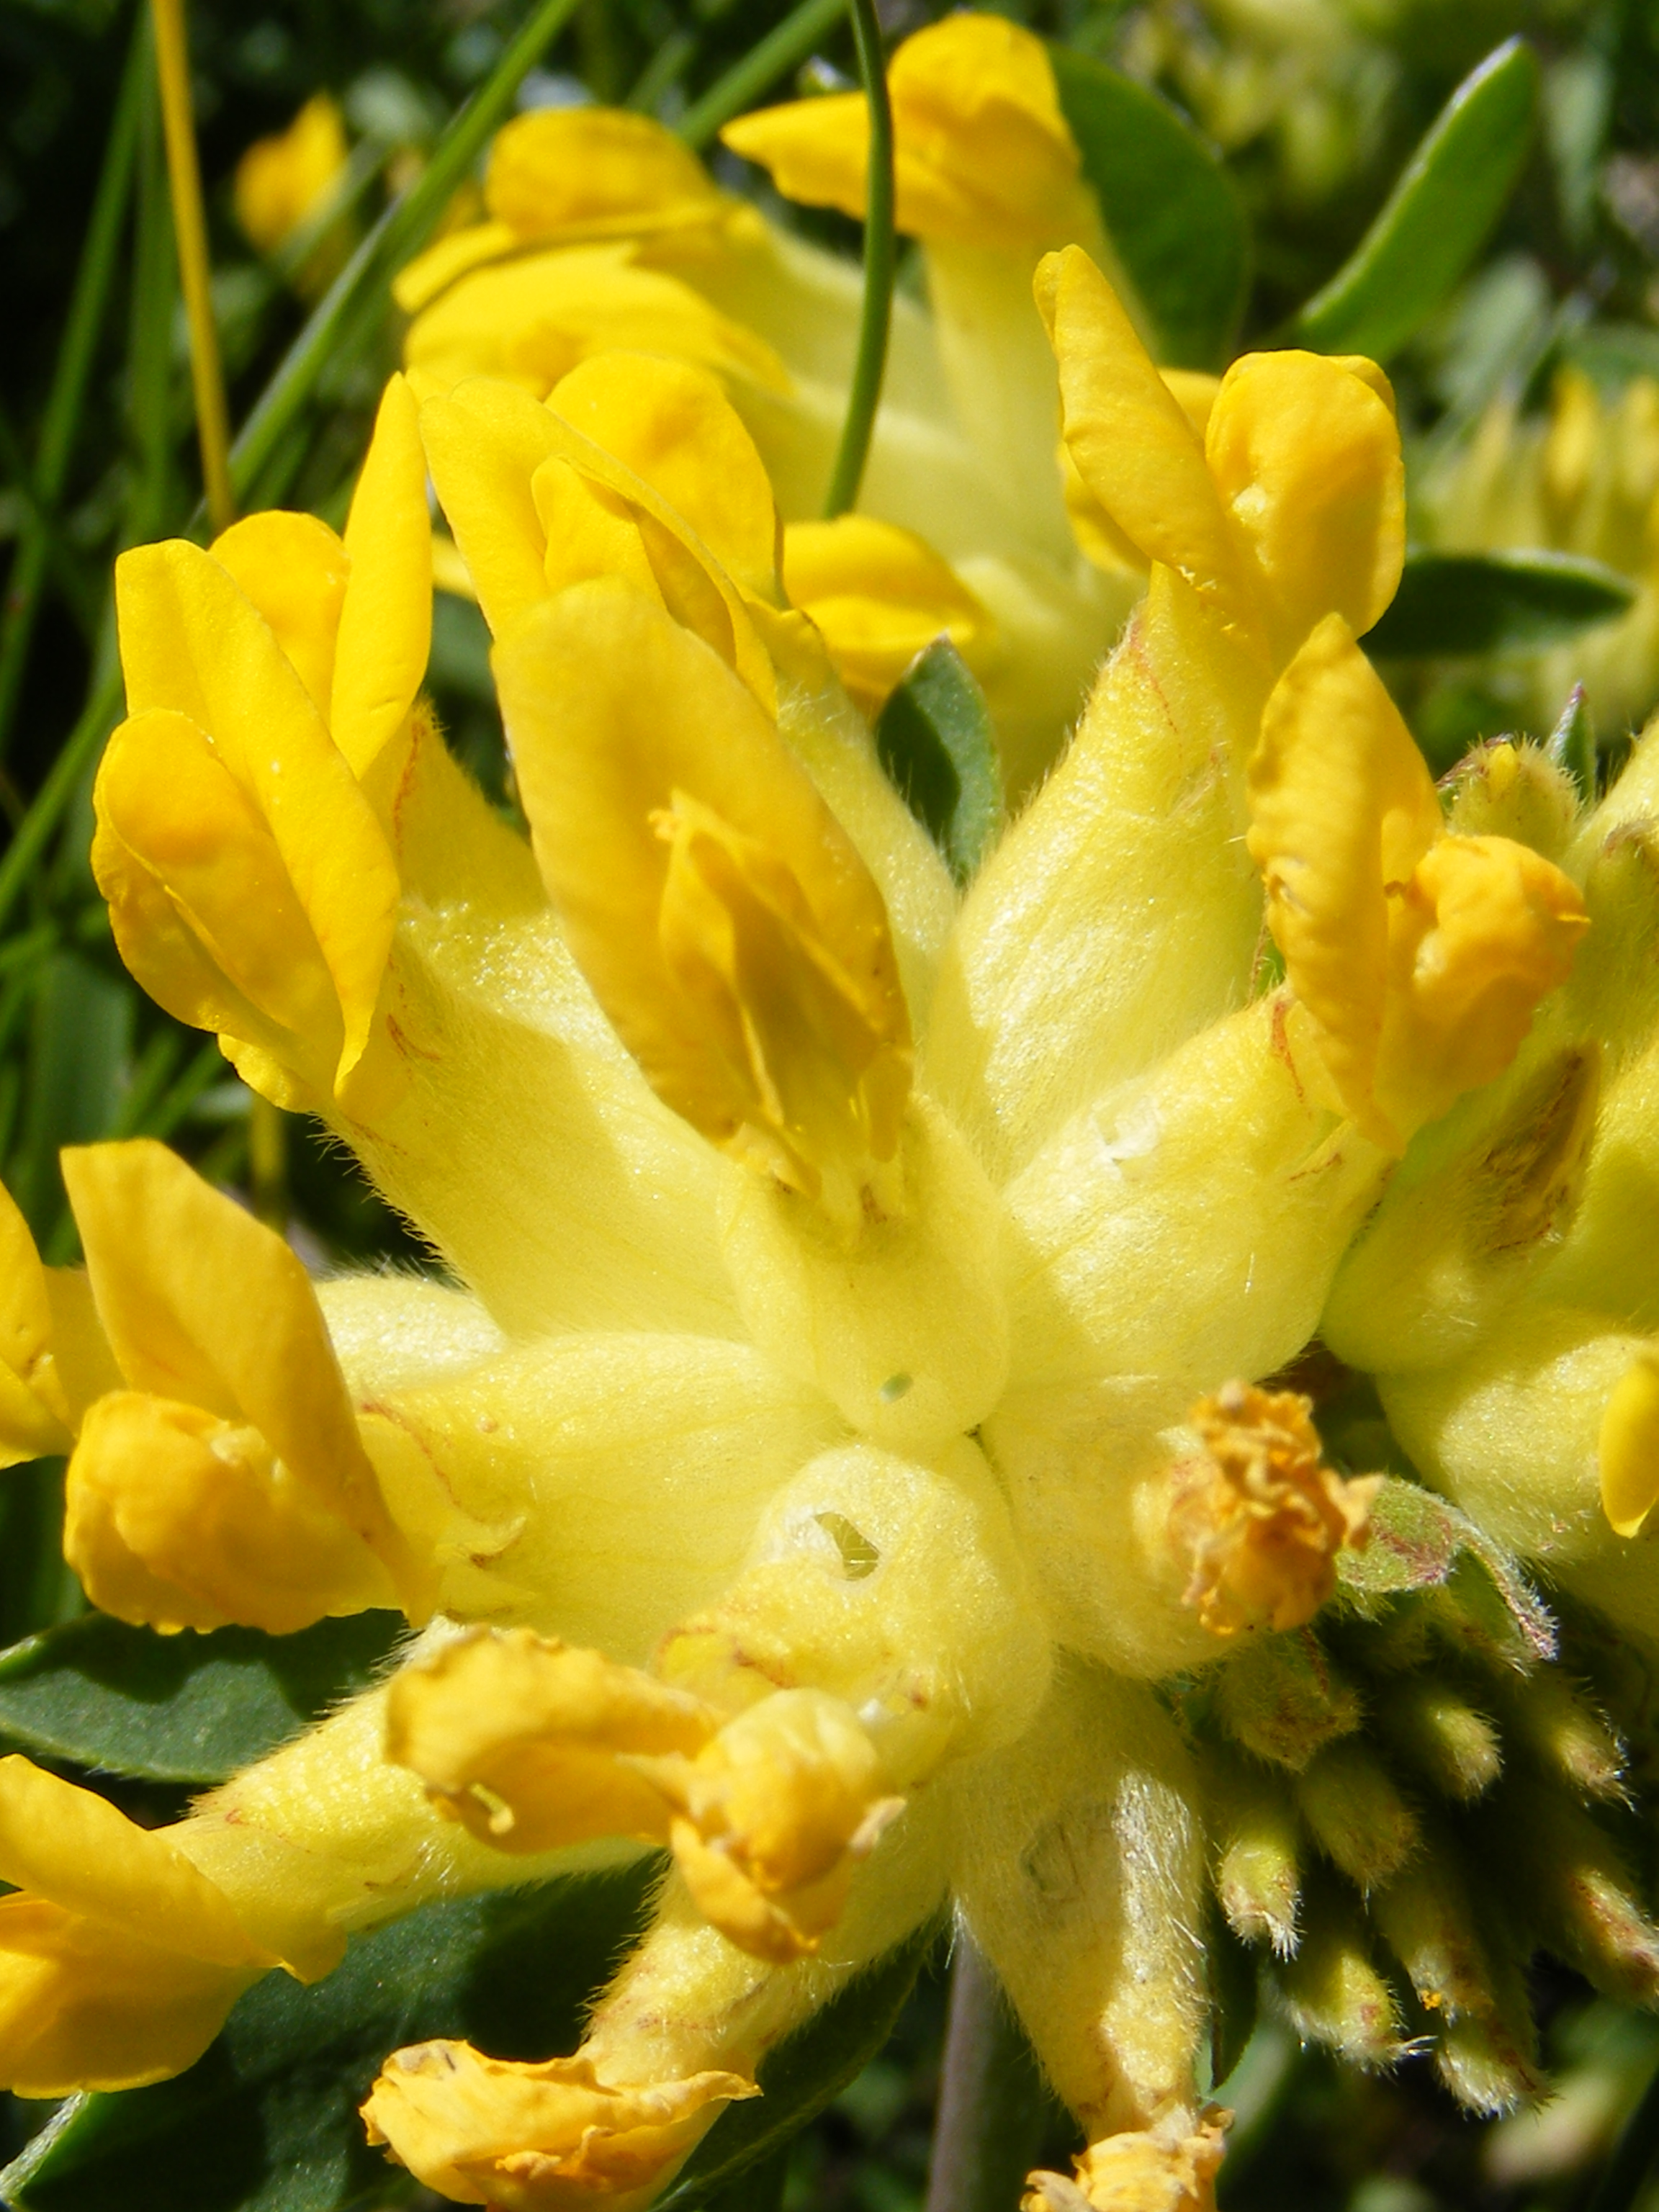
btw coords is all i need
(1437, 217)
(185, 1708)
(935, 740)
(1463, 602)
(803, 2074)
(1170, 208)
(267, 2121)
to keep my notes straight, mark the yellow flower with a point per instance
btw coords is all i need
(857, 1398)
(603, 232)
(286, 182)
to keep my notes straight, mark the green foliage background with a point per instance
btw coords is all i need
(96, 453)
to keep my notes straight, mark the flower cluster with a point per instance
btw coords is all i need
(869, 1442)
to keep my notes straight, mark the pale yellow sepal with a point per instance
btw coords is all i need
(982, 155)
(725, 920)
(879, 595)
(228, 1481)
(1279, 497)
(532, 2138)
(118, 1960)
(522, 1738)
(1627, 1448)
(283, 180)
(1420, 957)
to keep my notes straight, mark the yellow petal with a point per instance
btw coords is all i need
(522, 2137)
(204, 910)
(293, 569)
(203, 1304)
(1161, 2169)
(30, 1424)
(280, 180)
(1133, 444)
(1627, 1449)
(86, 2006)
(191, 641)
(880, 595)
(587, 171)
(518, 1736)
(72, 1846)
(386, 617)
(483, 446)
(1306, 454)
(775, 1812)
(674, 428)
(982, 155)
(533, 318)
(1485, 928)
(175, 1518)
(1342, 805)
(725, 921)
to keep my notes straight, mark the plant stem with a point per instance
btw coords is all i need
(195, 273)
(991, 2097)
(759, 70)
(61, 423)
(1632, 2156)
(399, 234)
(880, 250)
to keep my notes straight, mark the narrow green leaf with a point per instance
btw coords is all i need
(267, 2120)
(1461, 602)
(936, 743)
(803, 2074)
(185, 1708)
(1170, 208)
(1437, 217)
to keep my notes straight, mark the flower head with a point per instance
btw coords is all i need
(851, 1457)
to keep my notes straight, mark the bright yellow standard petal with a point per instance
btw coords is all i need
(727, 924)
(982, 153)
(880, 595)
(584, 171)
(385, 615)
(1305, 456)
(1133, 443)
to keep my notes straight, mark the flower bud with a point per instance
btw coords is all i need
(1357, 1816)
